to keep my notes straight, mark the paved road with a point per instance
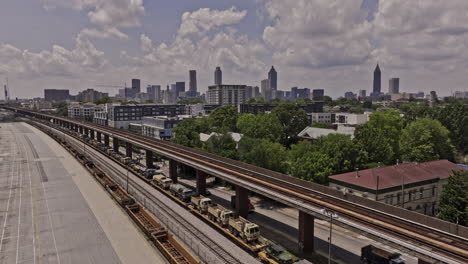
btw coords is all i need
(44, 217)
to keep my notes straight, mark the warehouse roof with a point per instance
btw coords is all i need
(391, 176)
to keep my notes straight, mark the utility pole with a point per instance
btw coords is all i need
(332, 216)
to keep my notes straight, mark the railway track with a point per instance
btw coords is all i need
(222, 256)
(444, 243)
(434, 240)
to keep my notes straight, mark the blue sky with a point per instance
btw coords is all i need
(334, 45)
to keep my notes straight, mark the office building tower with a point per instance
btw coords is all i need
(297, 93)
(154, 93)
(56, 95)
(218, 76)
(136, 85)
(193, 81)
(256, 92)
(376, 89)
(318, 94)
(273, 80)
(394, 86)
(180, 88)
(265, 89)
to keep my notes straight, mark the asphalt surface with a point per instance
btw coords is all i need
(44, 216)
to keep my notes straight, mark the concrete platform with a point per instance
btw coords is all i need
(52, 210)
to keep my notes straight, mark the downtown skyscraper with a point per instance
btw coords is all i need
(193, 81)
(218, 76)
(376, 88)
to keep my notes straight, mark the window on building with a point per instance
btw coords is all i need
(398, 197)
(421, 192)
(434, 190)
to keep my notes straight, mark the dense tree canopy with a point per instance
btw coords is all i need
(104, 100)
(454, 199)
(188, 131)
(61, 108)
(293, 120)
(455, 118)
(263, 153)
(380, 136)
(426, 140)
(260, 126)
(222, 145)
(224, 119)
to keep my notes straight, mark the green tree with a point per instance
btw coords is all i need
(455, 118)
(454, 199)
(222, 145)
(313, 166)
(188, 131)
(260, 126)
(263, 153)
(293, 120)
(61, 108)
(375, 144)
(103, 100)
(224, 119)
(380, 136)
(426, 140)
(345, 154)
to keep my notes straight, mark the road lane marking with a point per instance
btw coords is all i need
(9, 198)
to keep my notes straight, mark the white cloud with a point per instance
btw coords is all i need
(205, 19)
(57, 62)
(146, 44)
(204, 40)
(312, 43)
(109, 16)
(317, 33)
(429, 36)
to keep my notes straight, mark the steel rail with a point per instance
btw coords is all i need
(388, 225)
(220, 253)
(251, 173)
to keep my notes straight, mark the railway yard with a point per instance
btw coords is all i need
(52, 210)
(176, 224)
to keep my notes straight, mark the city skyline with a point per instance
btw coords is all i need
(77, 44)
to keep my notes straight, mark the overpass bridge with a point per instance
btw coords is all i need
(424, 235)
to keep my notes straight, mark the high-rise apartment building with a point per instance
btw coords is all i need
(56, 95)
(318, 94)
(225, 94)
(376, 88)
(218, 76)
(272, 80)
(394, 86)
(193, 81)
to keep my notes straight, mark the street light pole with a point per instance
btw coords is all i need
(332, 215)
(330, 239)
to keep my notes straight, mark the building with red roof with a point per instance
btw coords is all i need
(414, 186)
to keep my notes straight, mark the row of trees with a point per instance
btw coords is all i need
(270, 141)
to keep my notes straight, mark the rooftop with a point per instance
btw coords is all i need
(395, 175)
(315, 132)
